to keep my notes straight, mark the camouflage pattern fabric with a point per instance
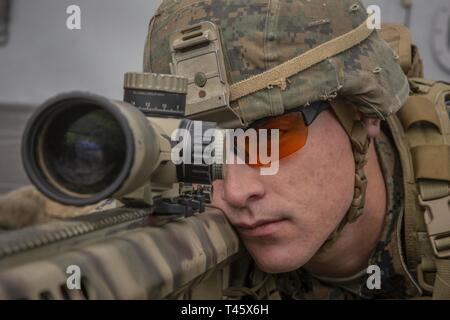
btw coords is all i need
(27, 206)
(396, 280)
(260, 34)
(131, 261)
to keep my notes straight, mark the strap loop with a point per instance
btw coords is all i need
(431, 162)
(418, 109)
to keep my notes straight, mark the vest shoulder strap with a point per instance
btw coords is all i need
(421, 130)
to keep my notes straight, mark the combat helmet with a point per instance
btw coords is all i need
(290, 54)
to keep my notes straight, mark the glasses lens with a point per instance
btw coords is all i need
(292, 135)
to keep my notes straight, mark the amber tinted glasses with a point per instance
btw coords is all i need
(292, 134)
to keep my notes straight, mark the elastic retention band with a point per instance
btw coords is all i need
(300, 63)
(360, 141)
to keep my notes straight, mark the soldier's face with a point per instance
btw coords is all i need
(284, 219)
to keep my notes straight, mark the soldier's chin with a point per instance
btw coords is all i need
(279, 262)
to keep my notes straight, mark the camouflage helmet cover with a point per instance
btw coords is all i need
(262, 34)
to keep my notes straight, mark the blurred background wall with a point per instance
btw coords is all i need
(42, 57)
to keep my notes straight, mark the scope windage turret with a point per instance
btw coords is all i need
(156, 95)
(80, 148)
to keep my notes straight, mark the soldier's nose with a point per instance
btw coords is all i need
(242, 185)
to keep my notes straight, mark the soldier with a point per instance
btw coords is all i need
(360, 160)
(364, 170)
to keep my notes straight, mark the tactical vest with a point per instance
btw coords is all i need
(421, 132)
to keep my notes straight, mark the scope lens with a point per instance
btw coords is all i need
(84, 148)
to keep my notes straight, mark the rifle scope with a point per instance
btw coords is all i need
(80, 148)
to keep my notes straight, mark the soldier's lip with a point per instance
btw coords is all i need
(259, 228)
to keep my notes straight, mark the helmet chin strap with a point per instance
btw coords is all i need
(346, 113)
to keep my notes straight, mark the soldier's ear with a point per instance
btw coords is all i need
(372, 125)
